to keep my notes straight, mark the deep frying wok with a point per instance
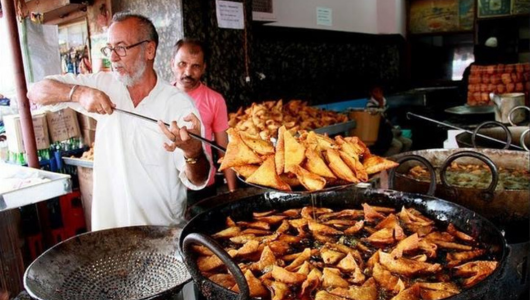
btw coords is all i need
(213, 220)
(138, 262)
(499, 205)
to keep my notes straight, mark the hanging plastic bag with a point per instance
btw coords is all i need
(40, 50)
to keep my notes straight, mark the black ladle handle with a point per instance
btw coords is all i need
(198, 137)
(506, 130)
(494, 170)
(432, 185)
(212, 245)
(211, 143)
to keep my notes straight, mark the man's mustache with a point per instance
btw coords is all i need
(187, 78)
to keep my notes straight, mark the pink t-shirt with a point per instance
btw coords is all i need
(214, 115)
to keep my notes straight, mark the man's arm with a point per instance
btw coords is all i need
(221, 138)
(49, 92)
(197, 169)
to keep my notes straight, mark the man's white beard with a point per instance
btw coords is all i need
(130, 80)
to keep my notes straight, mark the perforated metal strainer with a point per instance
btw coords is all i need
(140, 262)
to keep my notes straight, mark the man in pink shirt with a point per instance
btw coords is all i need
(188, 65)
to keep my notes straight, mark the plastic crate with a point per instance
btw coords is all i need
(35, 246)
(58, 235)
(72, 214)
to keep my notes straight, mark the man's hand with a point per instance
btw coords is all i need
(196, 171)
(93, 100)
(180, 137)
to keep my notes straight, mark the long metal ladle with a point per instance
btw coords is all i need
(409, 114)
(193, 135)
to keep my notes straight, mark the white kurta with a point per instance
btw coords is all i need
(136, 181)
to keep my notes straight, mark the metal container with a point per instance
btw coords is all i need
(339, 128)
(367, 127)
(465, 140)
(30, 186)
(510, 208)
(504, 103)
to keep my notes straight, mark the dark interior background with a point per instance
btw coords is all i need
(322, 66)
(318, 66)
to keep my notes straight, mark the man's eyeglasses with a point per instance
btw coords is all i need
(121, 51)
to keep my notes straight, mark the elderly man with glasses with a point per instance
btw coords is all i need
(141, 169)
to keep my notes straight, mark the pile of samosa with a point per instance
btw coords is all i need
(265, 118)
(368, 253)
(311, 160)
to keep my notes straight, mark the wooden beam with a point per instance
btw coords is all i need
(45, 6)
(69, 18)
(63, 11)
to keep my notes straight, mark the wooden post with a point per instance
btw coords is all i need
(26, 121)
(11, 261)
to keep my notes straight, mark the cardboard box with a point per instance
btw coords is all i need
(89, 137)
(63, 124)
(86, 122)
(15, 141)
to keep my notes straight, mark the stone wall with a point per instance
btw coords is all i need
(167, 17)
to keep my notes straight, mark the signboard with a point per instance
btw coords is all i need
(493, 8)
(324, 16)
(520, 7)
(466, 11)
(230, 15)
(434, 16)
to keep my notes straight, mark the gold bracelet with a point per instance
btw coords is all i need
(193, 161)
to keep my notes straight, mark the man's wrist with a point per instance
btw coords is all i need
(71, 94)
(193, 159)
